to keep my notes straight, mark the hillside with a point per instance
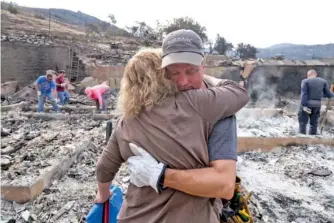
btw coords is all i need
(296, 51)
(79, 19)
(63, 22)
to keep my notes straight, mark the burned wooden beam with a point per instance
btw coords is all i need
(266, 144)
(66, 108)
(60, 116)
(23, 194)
(13, 106)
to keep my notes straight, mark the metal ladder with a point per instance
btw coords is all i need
(74, 66)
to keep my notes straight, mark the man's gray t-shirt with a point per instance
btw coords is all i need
(223, 140)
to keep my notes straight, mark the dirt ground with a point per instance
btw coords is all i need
(282, 182)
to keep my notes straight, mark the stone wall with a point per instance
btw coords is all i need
(24, 62)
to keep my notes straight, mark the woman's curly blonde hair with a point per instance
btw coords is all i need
(143, 83)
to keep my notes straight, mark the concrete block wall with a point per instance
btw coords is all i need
(111, 74)
(24, 62)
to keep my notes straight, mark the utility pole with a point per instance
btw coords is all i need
(49, 23)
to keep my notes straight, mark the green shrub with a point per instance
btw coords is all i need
(38, 16)
(12, 8)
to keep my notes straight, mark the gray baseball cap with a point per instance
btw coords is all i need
(182, 46)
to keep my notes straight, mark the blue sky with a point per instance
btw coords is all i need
(261, 23)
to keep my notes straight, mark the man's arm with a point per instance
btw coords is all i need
(53, 89)
(107, 167)
(58, 82)
(205, 182)
(37, 83)
(218, 102)
(219, 179)
(304, 94)
(327, 91)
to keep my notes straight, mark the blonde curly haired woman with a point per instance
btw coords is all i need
(156, 116)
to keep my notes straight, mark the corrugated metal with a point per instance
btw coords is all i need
(295, 63)
(210, 60)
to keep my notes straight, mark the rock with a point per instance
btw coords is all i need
(126, 179)
(25, 215)
(33, 217)
(5, 162)
(321, 173)
(7, 150)
(64, 209)
(33, 134)
(50, 137)
(4, 103)
(5, 132)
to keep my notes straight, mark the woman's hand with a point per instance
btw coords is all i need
(102, 197)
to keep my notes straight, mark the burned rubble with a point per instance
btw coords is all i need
(289, 184)
(292, 184)
(33, 146)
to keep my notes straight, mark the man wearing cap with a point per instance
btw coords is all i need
(63, 95)
(183, 60)
(46, 88)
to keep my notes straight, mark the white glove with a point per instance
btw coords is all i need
(63, 85)
(307, 110)
(38, 93)
(144, 169)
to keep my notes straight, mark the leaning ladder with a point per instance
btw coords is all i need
(74, 65)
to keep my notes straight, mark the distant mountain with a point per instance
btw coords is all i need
(283, 45)
(297, 51)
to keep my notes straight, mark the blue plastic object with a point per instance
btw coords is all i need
(95, 214)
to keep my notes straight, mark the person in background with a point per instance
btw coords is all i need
(99, 93)
(46, 88)
(63, 95)
(312, 90)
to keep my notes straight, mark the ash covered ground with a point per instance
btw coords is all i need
(284, 188)
(284, 184)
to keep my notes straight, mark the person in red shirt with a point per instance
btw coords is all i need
(100, 94)
(61, 87)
